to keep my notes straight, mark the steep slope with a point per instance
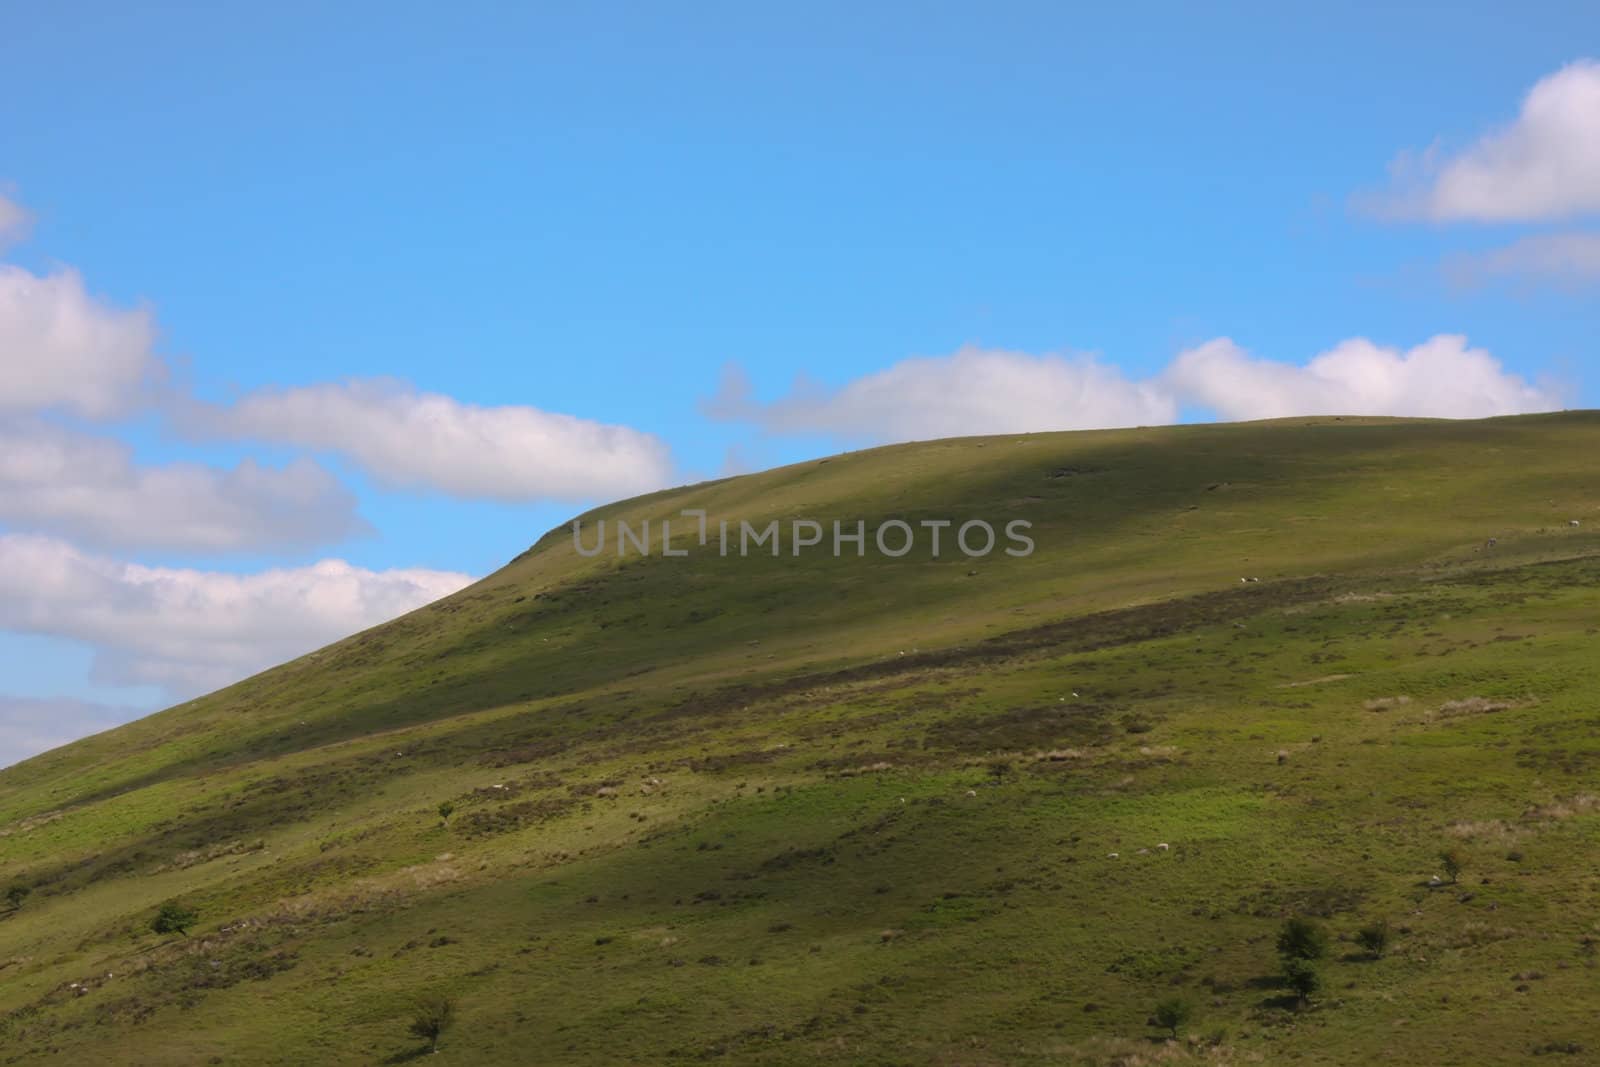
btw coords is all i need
(863, 808)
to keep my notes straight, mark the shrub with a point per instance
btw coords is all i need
(1453, 860)
(433, 1017)
(173, 918)
(446, 809)
(1374, 937)
(1302, 978)
(16, 894)
(1302, 939)
(1172, 1014)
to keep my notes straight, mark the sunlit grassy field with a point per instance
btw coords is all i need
(891, 811)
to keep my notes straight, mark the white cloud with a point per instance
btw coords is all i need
(1564, 258)
(15, 221)
(62, 349)
(1440, 378)
(89, 489)
(1545, 165)
(192, 631)
(29, 726)
(411, 439)
(974, 391)
(977, 391)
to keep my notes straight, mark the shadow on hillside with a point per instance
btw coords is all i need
(280, 800)
(643, 617)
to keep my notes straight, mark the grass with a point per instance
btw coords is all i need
(813, 810)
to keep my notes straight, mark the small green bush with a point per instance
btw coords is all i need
(1302, 939)
(432, 1018)
(1374, 937)
(1173, 1014)
(1302, 978)
(173, 918)
(1454, 861)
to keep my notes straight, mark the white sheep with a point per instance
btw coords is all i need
(1163, 847)
(1111, 856)
(1574, 522)
(972, 792)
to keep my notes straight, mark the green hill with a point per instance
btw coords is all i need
(863, 810)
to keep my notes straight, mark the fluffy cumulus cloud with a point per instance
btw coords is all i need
(416, 440)
(31, 725)
(1566, 259)
(61, 349)
(88, 488)
(1440, 378)
(191, 631)
(974, 391)
(1544, 165)
(980, 392)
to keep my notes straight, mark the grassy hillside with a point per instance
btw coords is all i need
(863, 810)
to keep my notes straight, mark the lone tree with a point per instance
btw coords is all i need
(1302, 939)
(174, 918)
(1374, 937)
(1173, 1014)
(1453, 860)
(433, 1017)
(16, 894)
(1302, 978)
(446, 809)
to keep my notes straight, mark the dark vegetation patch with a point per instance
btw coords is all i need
(528, 752)
(954, 908)
(233, 823)
(1087, 633)
(1155, 963)
(515, 787)
(1326, 902)
(798, 857)
(1047, 726)
(513, 816)
(712, 763)
(177, 977)
(857, 762)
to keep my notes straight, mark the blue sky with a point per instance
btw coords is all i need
(595, 211)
